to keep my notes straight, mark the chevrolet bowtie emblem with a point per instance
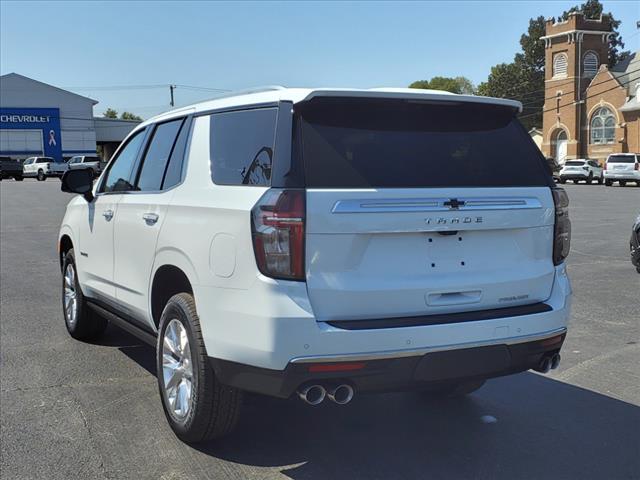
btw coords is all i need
(454, 203)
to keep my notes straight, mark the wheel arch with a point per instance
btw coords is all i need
(172, 274)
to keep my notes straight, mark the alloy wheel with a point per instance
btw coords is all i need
(177, 370)
(70, 295)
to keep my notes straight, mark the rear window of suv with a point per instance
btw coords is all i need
(388, 143)
(621, 159)
(574, 163)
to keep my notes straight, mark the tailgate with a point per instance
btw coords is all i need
(376, 254)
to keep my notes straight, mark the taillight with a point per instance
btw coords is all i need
(585, 168)
(636, 166)
(277, 223)
(562, 226)
(605, 166)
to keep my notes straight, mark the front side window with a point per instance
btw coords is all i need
(603, 125)
(118, 178)
(241, 146)
(157, 156)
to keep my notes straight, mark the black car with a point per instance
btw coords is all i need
(10, 168)
(634, 244)
(554, 167)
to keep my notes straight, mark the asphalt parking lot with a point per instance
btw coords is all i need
(75, 410)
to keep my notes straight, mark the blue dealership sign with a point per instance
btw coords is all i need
(45, 119)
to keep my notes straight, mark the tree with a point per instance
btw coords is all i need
(523, 79)
(593, 9)
(130, 116)
(448, 84)
(110, 113)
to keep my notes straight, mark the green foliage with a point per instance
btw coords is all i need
(110, 113)
(523, 79)
(593, 9)
(130, 116)
(448, 84)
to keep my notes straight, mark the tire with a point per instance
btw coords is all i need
(623, 183)
(590, 178)
(576, 181)
(212, 408)
(86, 324)
(600, 180)
(563, 180)
(18, 178)
(608, 183)
(41, 176)
(454, 390)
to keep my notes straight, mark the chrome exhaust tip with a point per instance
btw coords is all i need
(555, 361)
(341, 394)
(313, 394)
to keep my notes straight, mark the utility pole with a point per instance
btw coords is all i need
(171, 87)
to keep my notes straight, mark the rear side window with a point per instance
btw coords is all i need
(157, 156)
(621, 159)
(362, 143)
(574, 163)
(241, 146)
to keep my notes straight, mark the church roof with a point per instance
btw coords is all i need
(627, 72)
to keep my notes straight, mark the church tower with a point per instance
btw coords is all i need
(574, 50)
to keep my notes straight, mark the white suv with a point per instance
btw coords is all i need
(622, 168)
(322, 242)
(581, 169)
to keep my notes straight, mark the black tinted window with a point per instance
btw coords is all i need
(173, 176)
(574, 163)
(621, 159)
(242, 146)
(118, 178)
(360, 143)
(157, 156)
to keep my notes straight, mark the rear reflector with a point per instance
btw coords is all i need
(336, 367)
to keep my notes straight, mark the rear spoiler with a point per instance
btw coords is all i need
(414, 94)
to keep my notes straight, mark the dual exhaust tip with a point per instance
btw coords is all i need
(547, 363)
(316, 394)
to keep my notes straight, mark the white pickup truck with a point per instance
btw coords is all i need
(41, 168)
(86, 162)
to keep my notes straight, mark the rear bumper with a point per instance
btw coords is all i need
(264, 338)
(574, 176)
(633, 176)
(396, 371)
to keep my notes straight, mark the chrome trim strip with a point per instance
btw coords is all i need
(435, 204)
(356, 357)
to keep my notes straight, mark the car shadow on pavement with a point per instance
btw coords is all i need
(524, 426)
(518, 427)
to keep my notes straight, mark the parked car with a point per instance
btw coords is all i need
(622, 168)
(634, 244)
(581, 169)
(321, 243)
(10, 168)
(39, 167)
(57, 169)
(84, 161)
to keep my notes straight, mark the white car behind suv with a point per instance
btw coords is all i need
(581, 169)
(622, 168)
(322, 242)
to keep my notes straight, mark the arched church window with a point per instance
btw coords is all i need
(603, 126)
(590, 64)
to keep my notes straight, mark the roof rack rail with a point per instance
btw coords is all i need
(247, 91)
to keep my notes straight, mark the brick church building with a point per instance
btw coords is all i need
(590, 110)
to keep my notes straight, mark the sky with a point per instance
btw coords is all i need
(125, 54)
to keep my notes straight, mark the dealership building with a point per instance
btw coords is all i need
(40, 119)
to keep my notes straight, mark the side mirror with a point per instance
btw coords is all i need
(78, 181)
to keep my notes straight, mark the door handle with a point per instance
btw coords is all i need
(108, 215)
(150, 218)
